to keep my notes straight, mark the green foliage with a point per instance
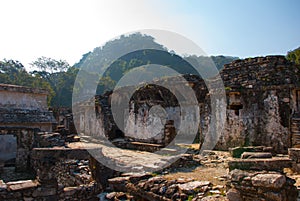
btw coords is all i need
(60, 76)
(294, 56)
(49, 65)
(64, 88)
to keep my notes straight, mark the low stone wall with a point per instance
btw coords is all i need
(34, 191)
(53, 164)
(261, 186)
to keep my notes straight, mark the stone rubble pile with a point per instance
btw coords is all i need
(146, 187)
(72, 172)
(260, 186)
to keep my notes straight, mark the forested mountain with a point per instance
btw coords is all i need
(119, 56)
(113, 60)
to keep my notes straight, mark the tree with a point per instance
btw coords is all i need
(49, 69)
(64, 88)
(46, 64)
(294, 55)
(55, 73)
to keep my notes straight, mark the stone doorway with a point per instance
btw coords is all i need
(8, 150)
(22, 142)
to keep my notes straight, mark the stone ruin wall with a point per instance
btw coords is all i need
(13, 96)
(23, 112)
(24, 107)
(260, 104)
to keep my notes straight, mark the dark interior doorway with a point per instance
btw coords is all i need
(8, 150)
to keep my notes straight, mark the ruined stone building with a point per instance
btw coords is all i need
(23, 112)
(263, 105)
(24, 107)
(262, 108)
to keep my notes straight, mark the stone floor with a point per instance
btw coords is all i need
(125, 160)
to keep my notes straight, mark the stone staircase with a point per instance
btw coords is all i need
(295, 131)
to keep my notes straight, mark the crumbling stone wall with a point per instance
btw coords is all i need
(24, 107)
(25, 143)
(262, 119)
(260, 105)
(56, 175)
(261, 185)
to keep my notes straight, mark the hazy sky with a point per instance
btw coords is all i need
(66, 29)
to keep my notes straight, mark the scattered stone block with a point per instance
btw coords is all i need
(21, 185)
(136, 177)
(275, 181)
(233, 195)
(193, 186)
(256, 155)
(118, 184)
(237, 152)
(70, 191)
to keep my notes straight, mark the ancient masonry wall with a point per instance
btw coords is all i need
(24, 107)
(25, 143)
(259, 102)
(260, 96)
(23, 112)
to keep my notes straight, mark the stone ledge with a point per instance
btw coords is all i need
(21, 185)
(60, 152)
(22, 89)
(273, 164)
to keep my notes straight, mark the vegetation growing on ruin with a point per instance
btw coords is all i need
(294, 55)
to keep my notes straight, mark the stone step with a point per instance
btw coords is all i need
(248, 155)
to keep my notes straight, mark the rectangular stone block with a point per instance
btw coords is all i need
(21, 185)
(294, 154)
(272, 164)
